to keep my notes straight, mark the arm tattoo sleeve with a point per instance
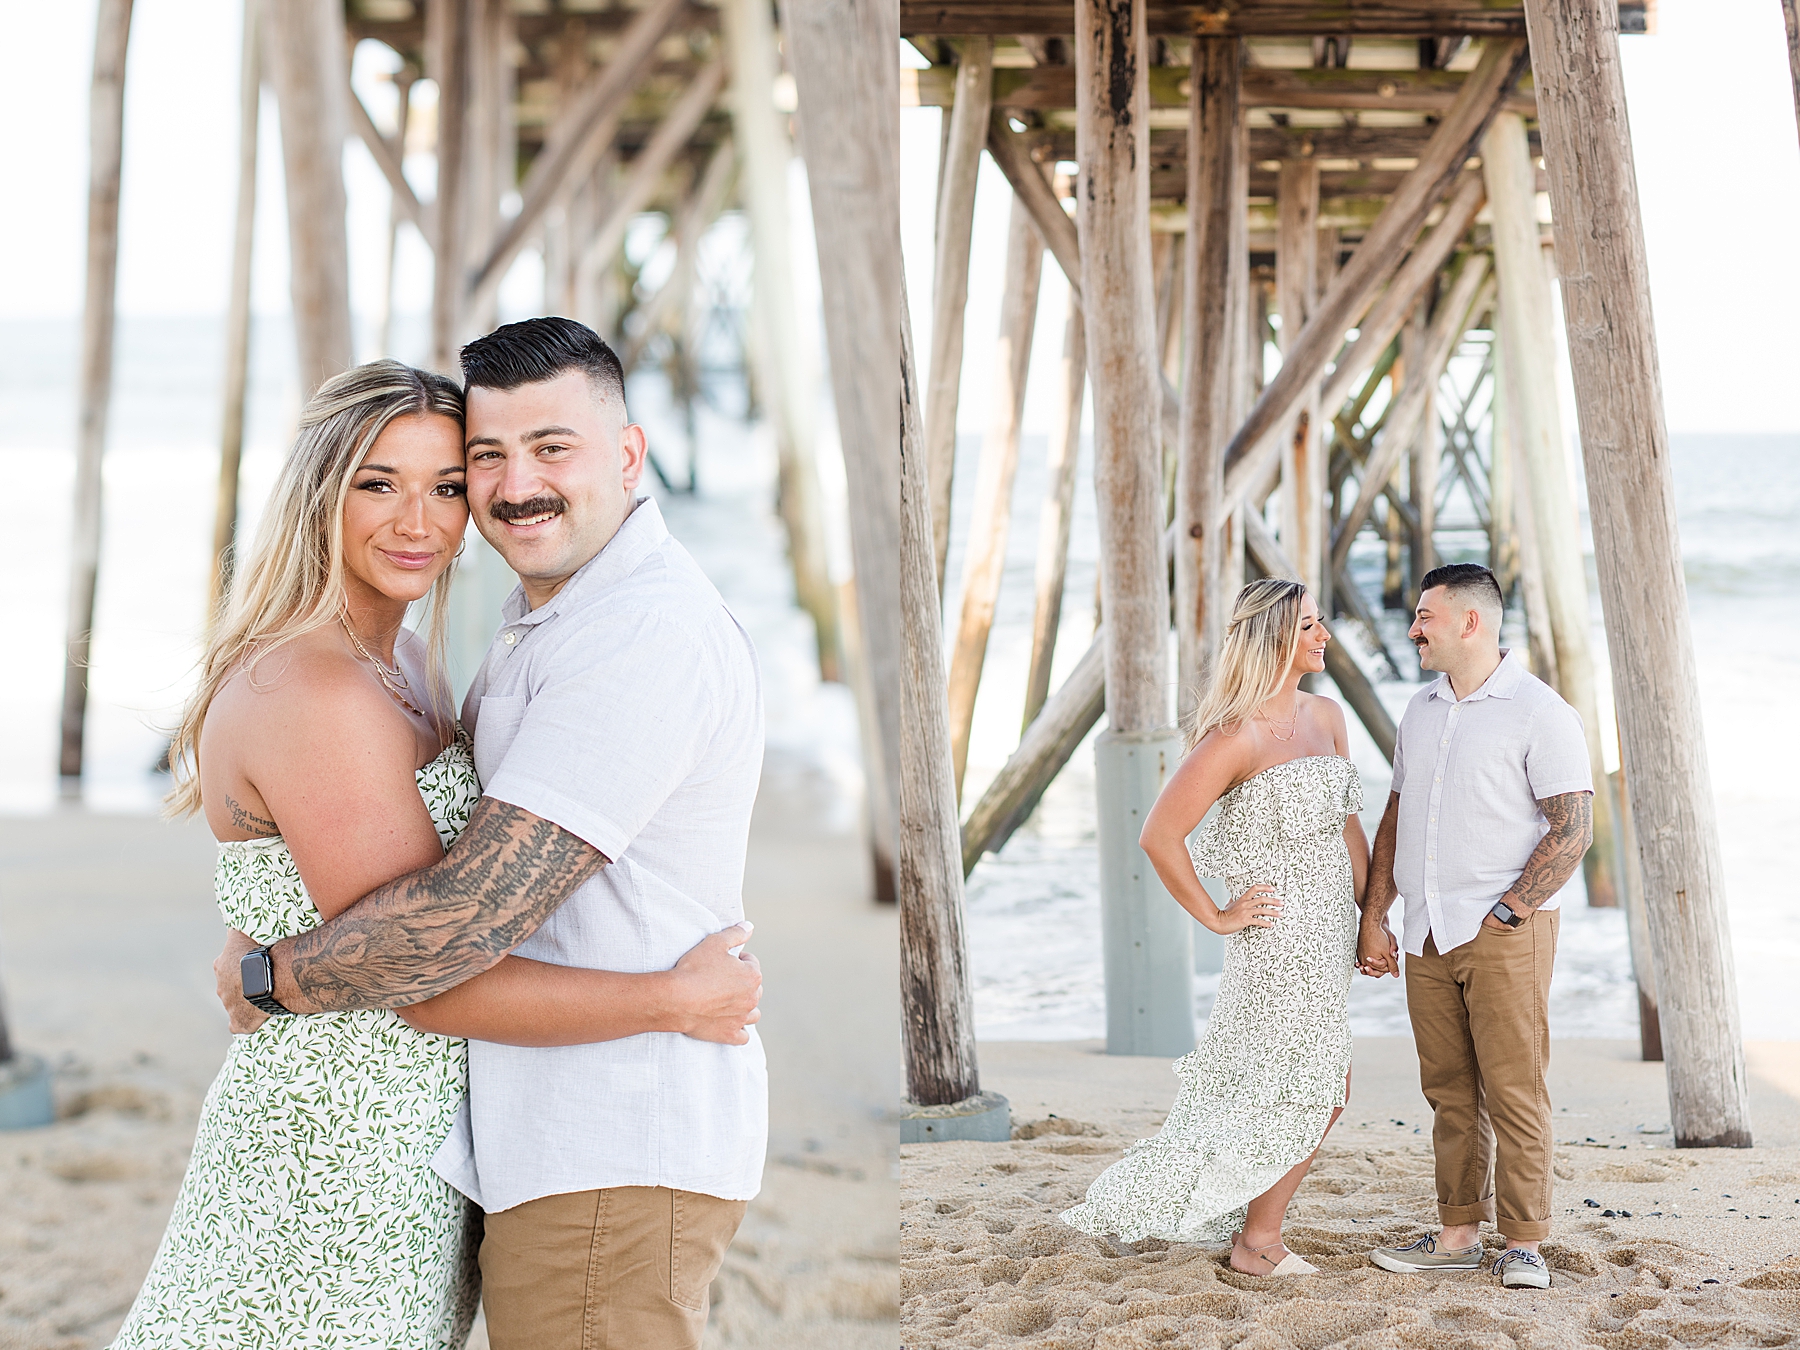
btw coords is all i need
(433, 929)
(1559, 852)
(1378, 896)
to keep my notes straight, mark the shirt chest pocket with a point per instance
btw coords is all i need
(496, 724)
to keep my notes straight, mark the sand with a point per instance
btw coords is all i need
(1680, 1247)
(107, 933)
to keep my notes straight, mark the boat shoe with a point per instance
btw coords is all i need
(1520, 1269)
(1425, 1255)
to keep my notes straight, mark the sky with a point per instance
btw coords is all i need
(1718, 159)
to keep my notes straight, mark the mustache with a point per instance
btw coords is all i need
(533, 506)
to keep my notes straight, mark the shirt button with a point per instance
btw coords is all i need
(511, 638)
(1437, 780)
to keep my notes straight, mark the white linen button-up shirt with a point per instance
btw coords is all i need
(628, 710)
(1470, 774)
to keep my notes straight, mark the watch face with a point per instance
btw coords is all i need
(257, 975)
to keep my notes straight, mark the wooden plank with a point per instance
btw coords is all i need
(1052, 89)
(1381, 325)
(1791, 17)
(237, 314)
(984, 561)
(1113, 202)
(935, 1005)
(1212, 305)
(1296, 279)
(841, 54)
(968, 131)
(1631, 495)
(1537, 435)
(583, 131)
(386, 155)
(1058, 512)
(1051, 738)
(1272, 560)
(450, 25)
(303, 45)
(106, 140)
(1168, 18)
(1375, 259)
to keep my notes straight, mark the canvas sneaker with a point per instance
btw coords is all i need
(1520, 1269)
(1426, 1255)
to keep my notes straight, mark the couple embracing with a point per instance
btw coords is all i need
(1489, 815)
(495, 1018)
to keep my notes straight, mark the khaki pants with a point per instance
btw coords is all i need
(626, 1268)
(1479, 1020)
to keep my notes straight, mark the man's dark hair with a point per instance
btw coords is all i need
(1470, 583)
(534, 350)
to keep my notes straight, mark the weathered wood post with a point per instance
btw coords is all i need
(1148, 938)
(966, 134)
(106, 142)
(842, 55)
(1296, 294)
(985, 559)
(304, 45)
(451, 24)
(1537, 432)
(1631, 493)
(1530, 559)
(237, 314)
(1058, 511)
(1791, 17)
(792, 389)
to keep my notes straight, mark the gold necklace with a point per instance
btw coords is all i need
(394, 680)
(1293, 722)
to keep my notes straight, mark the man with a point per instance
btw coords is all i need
(617, 727)
(1491, 812)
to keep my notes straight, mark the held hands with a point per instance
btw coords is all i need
(230, 983)
(1257, 907)
(1377, 953)
(716, 992)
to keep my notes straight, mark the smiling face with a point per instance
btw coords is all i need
(553, 469)
(1442, 629)
(1309, 656)
(405, 512)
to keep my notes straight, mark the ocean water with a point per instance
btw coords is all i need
(160, 470)
(1034, 909)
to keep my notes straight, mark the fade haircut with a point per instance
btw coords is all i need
(1470, 585)
(534, 350)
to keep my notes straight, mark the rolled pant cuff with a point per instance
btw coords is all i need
(1525, 1230)
(1482, 1211)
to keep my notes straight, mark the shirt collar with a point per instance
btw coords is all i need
(1503, 683)
(638, 535)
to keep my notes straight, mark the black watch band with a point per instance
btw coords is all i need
(257, 973)
(1512, 918)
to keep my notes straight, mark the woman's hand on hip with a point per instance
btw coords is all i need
(1257, 907)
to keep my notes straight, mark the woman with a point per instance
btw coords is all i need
(1272, 1073)
(322, 749)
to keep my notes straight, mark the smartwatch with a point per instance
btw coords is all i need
(258, 975)
(1501, 911)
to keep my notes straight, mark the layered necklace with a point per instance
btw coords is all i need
(1292, 722)
(393, 679)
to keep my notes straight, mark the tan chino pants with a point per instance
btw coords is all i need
(625, 1268)
(1480, 1022)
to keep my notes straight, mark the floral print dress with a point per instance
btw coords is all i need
(309, 1215)
(1258, 1092)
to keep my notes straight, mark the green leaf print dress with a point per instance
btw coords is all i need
(310, 1216)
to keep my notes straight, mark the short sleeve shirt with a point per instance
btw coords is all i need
(1470, 774)
(627, 709)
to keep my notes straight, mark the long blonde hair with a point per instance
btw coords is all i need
(292, 581)
(1253, 660)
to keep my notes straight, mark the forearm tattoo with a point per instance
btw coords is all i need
(433, 929)
(1559, 852)
(1379, 892)
(248, 821)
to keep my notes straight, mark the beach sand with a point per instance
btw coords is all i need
(1700, 1247)
(107, 933)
